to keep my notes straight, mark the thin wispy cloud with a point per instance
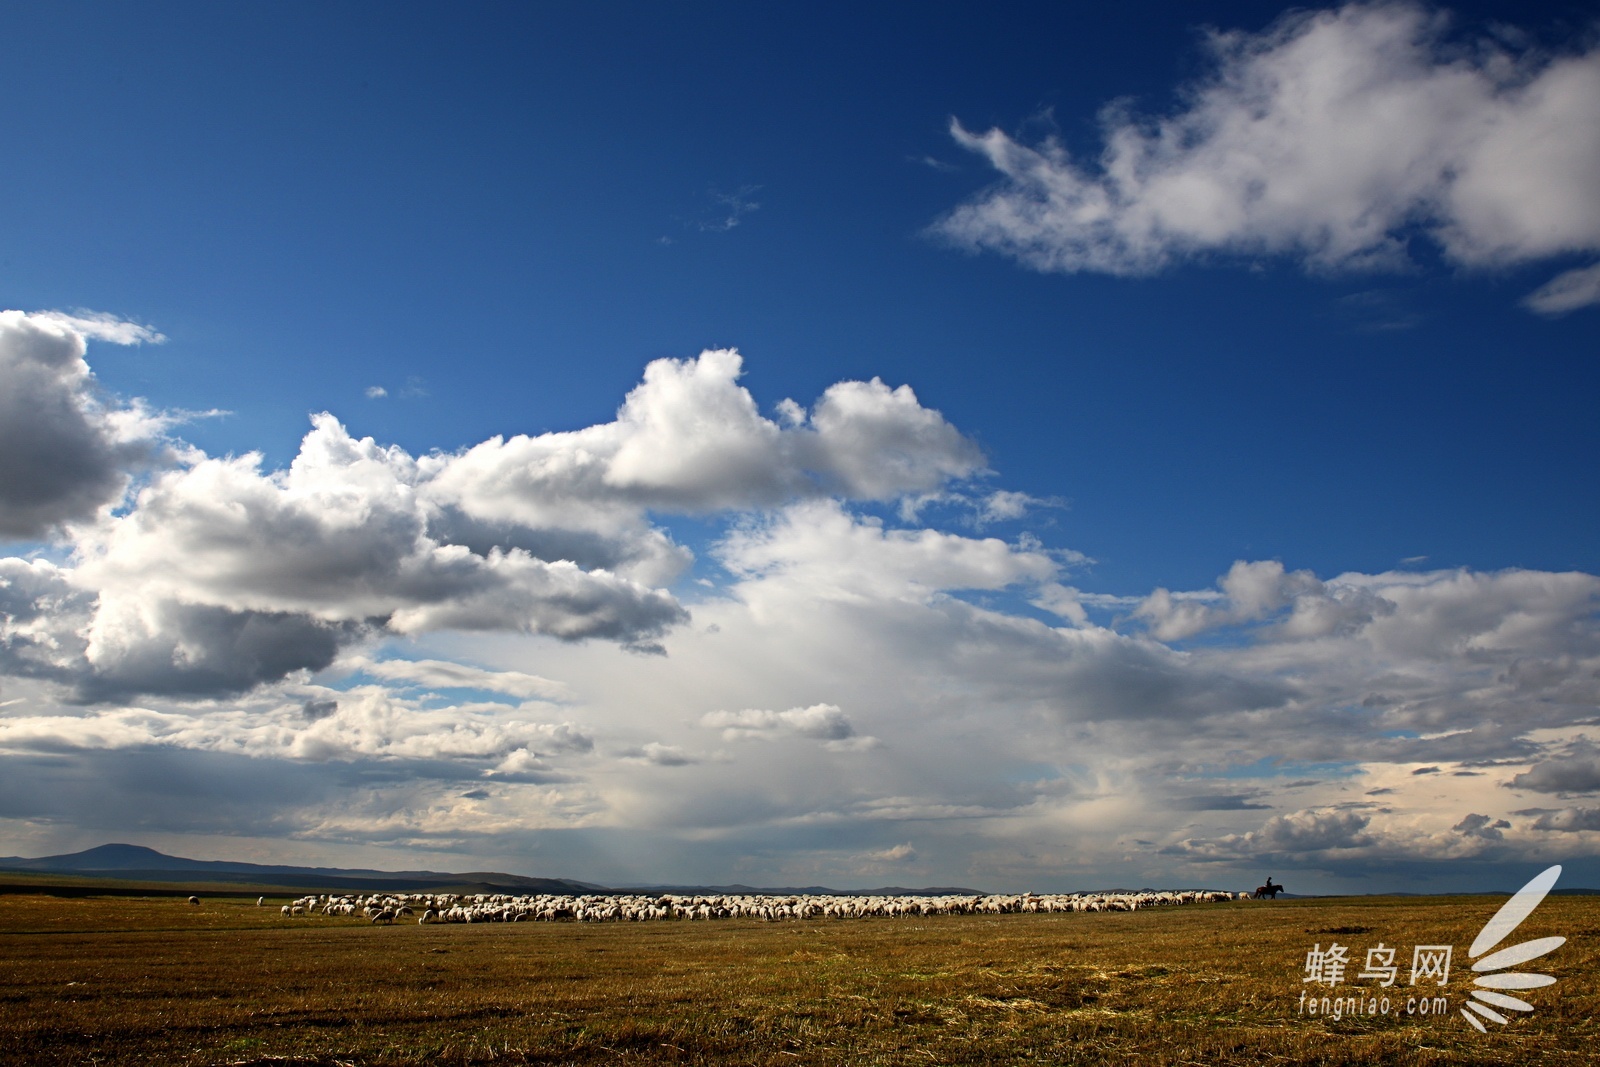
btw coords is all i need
(1567, 292)
(730, 209)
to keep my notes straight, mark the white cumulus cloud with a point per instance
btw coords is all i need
(820, 546)
(220, 575)
(690, 439)
(820, 722)
(1253, 591)
(1329, 137)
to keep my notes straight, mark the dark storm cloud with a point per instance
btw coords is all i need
(1217, 802)
(314, 710)
(1568, 820)
(121, 792)
(207, 651)
(1576, 772)
(63, 453)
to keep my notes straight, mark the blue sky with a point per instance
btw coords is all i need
(1334, 366)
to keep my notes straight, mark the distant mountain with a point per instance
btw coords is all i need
(137, 863)
(103, 858)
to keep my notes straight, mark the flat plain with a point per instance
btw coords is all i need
(123, 980)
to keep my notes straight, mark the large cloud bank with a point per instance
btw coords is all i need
(368, 649)
(1331, 137)
(216, 575)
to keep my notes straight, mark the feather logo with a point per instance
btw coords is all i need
(1488, 1000)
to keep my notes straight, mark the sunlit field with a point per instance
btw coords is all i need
(111, 980)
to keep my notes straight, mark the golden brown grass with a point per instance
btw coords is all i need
(138, 981)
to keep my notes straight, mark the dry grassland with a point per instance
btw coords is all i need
(123, 981)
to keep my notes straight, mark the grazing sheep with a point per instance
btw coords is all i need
(500, 908)
(194, 900)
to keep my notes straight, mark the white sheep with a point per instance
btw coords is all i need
(499, 907)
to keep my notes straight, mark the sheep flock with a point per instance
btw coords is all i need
(429, 908)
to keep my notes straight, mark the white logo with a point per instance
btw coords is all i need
(1507, 919)
(1426, 993)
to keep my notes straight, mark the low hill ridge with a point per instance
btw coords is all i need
(137, 863)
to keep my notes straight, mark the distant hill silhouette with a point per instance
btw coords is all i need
(136, 863)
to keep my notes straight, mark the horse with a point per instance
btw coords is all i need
(1269, 891)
